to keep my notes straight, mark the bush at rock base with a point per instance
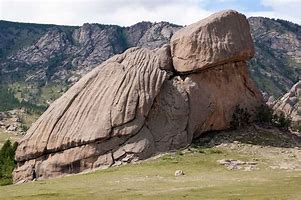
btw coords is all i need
(240, 117)
(266, 115)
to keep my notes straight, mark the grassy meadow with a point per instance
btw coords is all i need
(154, 179)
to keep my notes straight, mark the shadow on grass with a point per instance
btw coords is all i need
(254, 134)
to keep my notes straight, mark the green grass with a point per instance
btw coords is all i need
(37, 94)
(5, 136)
(52, 92)
(154, 179)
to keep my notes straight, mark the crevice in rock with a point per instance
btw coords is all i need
(130, 121)
(207, 68)
(190, 134)
(48, 152)
(246, 85)
(110, 114)
(187, 123)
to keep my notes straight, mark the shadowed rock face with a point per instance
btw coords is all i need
(134, 105)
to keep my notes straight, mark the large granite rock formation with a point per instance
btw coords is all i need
(137, 104)
(290, 104)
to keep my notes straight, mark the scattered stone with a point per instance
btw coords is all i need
(22, 133)
(232, 164)
(251, 163)
(21, 181)
(10, 121)
(250, 168)
(12, 128)
(239, 162)
(15, 119)
(225, 161)
(128, 158)
(117, 163)
(274, 167)
(222, 145)
(287, 166)
(179, 173)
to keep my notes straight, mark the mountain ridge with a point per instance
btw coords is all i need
(40, 61)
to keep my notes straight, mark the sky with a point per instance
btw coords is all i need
(129, 12)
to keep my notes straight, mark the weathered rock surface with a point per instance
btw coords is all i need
(168, 118)
(111, 101)
(214, 93)
(290, 104)
(219, 39)
(133, 106)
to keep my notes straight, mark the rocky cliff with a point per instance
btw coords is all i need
(290, 105)
(142, 102)
(40, 62)
(64, 54)
(276, 66)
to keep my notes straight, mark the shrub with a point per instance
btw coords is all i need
(282, 121)
(266, 115)
(24, 127)
(240, 117)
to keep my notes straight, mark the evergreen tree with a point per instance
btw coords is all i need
(7, 162)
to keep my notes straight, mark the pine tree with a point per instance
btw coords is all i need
(7, 162)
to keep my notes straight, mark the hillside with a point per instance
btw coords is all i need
(277, 63)
(39, 62)
(267, 167)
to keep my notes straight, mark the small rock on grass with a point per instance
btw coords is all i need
(179, 173)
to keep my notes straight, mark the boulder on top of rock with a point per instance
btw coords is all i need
(222, 38)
